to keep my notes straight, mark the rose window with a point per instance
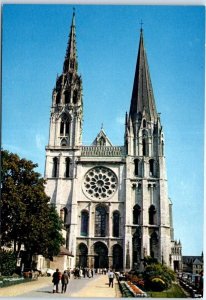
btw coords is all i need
(100, 183)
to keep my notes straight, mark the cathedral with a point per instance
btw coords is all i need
(113, 199)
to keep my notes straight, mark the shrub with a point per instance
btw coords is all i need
(158, 271)
(7, 262)
(157, 284)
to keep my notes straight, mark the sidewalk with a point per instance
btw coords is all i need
(21, 288)
(99, 288)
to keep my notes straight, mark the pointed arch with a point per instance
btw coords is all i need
(67, 168)
(63, 214)
(100, 221)
(64, 124)
(83, 255)
(75, 97)
(67, 96)
(117, 253)
(55, 167)
(62, 128)
(102, 141)
(152, 212)
(84, 223)
(162, 148)
(151, 167)
(136, 166)
(154, 245)
(58, 98)
(67, 127)
(101, 255)
(136, 247)
(116, 223)
(136, 214)
(145, 151)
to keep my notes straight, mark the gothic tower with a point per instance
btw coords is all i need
(150, 232)
(65, 137)
(67, 106)
(113, 199)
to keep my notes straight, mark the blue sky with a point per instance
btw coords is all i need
(34, 45)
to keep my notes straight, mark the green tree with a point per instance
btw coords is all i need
(27, 217)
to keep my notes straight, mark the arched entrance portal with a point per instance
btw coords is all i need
(83, 251)
(117, 258)
(100, 255)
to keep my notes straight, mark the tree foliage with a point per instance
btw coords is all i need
(27, 217)
(7, 262)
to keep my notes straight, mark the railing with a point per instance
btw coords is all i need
(110, 151)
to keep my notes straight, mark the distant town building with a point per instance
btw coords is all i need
(176, 255)
(113, 199)
(193, 264)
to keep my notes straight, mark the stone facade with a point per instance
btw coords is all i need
(113, 199)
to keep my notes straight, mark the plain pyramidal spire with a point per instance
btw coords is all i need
(142, 101)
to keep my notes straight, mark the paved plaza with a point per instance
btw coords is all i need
(85, 287)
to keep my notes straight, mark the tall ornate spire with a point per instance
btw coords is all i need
(142, 102)
(70, 62)
(67, 99)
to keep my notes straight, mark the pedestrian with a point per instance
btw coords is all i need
(56, 277)
(65, 281)
(111, 277)
(89, 274)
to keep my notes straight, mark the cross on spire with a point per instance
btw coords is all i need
(141, 23)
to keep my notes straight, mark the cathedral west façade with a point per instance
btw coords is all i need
(113, 199)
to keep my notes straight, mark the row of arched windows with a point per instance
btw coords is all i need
(67, 97)
(56, 164)
(137, 214)
(101, 222)
(138, 167)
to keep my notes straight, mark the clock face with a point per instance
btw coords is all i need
(100, 183)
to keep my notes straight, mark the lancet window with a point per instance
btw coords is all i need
(67, 161)
(116, 220)
(151, 167)
(136, 167)
(55, 166)
(152, 212)
(75, 97)
(100, 221)
(144, 143)
(64, 125)
(136, 214)
(84, 222)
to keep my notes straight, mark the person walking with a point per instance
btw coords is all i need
(111, 277)
(65, 281)
(56, 277)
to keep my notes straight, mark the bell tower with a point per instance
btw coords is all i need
(67, 106)
(65, 130)
(149, 210)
